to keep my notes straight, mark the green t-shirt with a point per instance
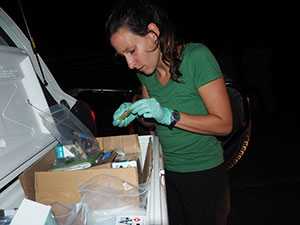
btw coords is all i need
(186, 151)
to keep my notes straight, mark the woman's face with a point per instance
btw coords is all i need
(138, 50)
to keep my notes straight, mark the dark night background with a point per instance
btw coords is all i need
(70, 38)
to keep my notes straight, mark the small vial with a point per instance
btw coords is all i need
(59, 155)
(125, 115)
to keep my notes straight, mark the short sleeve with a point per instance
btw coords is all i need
(203, 65)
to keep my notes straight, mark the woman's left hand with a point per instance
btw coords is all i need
(150, 108)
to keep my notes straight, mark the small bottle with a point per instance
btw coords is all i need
(59, 155)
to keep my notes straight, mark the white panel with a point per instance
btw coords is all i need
(22, 134)
(157, 205)
(21, 41)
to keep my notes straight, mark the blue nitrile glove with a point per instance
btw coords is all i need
(150, 108)
(123, 122)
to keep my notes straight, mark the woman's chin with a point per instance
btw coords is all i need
(148, 72)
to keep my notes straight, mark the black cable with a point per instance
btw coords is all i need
(45, 83)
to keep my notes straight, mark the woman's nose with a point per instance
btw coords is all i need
(130, 62)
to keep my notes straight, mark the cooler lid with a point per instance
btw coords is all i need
(22, 133)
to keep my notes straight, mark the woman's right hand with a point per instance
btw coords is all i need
(123, 115)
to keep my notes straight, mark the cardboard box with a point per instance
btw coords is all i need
(46, 187)
(64, 187)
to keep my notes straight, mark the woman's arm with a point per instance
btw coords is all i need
(219, 118)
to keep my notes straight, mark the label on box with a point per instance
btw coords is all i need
(130, 220)
(124, 164)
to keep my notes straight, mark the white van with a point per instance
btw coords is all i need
(27, 86)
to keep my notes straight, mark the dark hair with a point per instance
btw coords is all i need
(136, 15)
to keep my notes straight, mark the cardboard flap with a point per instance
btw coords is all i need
(128, 143)
(148, 164)
(27, 177)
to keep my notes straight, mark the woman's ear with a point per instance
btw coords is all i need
(153, 30)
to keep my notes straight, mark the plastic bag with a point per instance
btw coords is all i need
(70, 131)
(68, 214)
(105, 197)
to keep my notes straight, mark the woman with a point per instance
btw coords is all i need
(184, 92)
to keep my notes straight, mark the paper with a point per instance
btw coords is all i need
(33, 213)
